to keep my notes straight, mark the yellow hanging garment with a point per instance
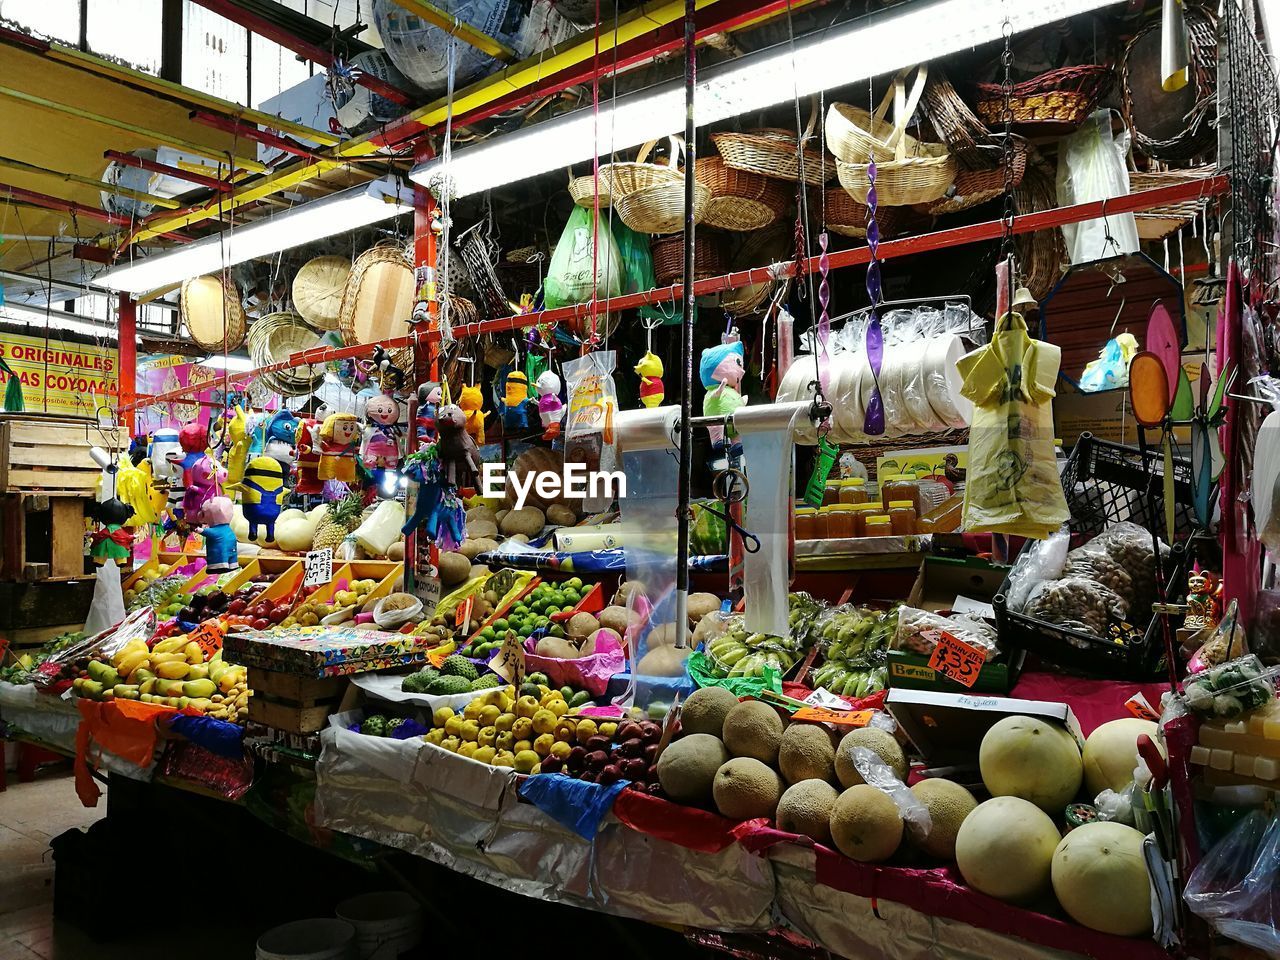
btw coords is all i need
(1012, 486)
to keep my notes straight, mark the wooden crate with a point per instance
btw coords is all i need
(292, 703)
(47, 454)
(43, 536)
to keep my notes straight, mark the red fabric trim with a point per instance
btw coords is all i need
(686, 826)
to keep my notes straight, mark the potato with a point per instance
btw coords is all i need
(582, 625)
(700, 604)
(482, 530)
(624, 592)
(526, 520)
(663, 662)
(474, 546)
(557, 648)
(482, 512)
(519, 538)
(561, 516)
(396, 551)
(589, 645)
(618, 619)
(454, 568)
(499, 514)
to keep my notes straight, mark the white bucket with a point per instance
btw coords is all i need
(386, 924)
(320, 939)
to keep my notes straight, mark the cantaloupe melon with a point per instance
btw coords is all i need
(705, 710)
(687, 768)
(879, 742)
(948, 804)
(1005, 849)
(1100, 877)
(753, 729)
(1032, 759)
(865, 824)
(745, 788)
(806, 807)
(806, 753)
(1111, 753)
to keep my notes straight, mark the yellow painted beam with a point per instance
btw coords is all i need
(151, 198)
(121, 74)
(459, 28)
(154, 135)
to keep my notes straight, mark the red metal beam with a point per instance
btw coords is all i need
(265, 28)
(249, 132)
(199, 179)
(128, 359)
(906, 246)
(66, 206)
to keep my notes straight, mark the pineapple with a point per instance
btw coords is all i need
(339, 520)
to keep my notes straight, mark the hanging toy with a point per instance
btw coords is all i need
(437, 510)
(455, 447)
(721, 371)
(390, 376)
(203, 483)
(380, 451)
(262, 489)
(430, 395)
(650, 371)
(192, 440)
(339, 443)
(220, 550)
(237, 446)
(133, 486)
(113, 541)
(550, 407)
(166, 474)
(515, 401)
(471, 403)
(307, 443)
(282, 427)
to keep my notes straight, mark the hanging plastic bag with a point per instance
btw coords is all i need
(586, 263)
(590, 436)
(1091, 167)
(1236, 887)
(1111, 369)
(637, 268)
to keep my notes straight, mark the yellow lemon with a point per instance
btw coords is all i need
(470, 730)
(504, 741)
(468, 749)
(522, 745)
(544, 721)
(522, 728)
(451, 744)
(472, 710)
(487, 736)
(586, 729)
(558, 706)
(542, 746)
(565, 731)
(504, 758)
(441, 716)
(435, 736)
(453, 726)
(488, 716)
(560, 750)
(608, 728)
(527, 706)
(525, 761)
(484, 754)
(504, 722)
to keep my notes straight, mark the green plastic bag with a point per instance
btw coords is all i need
(738, 686)
(586, 263)
(637, 269)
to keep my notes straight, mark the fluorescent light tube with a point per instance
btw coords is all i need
(37, 322)
(878, 45)
(314, 220)
(231, 363)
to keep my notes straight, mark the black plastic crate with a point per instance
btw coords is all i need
(1105, 483)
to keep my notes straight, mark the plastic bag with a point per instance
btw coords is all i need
(1091, 167)
(590, 437)
(637, 268)
(1236, 887)
(394, 611)
(1077, 603)
(920, 630)
(1111, 369)
(915, 815)
(1231, 689)
(1039, 560)
(1123, 559)
(586, 264)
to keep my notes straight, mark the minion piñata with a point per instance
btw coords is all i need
(261, 490)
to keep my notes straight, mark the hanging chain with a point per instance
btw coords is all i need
(1006, 89)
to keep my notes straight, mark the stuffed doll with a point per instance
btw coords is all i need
(437, 510)
(281, 428)
(390, 377)
(380, 451)
(456, 449)
(430, 395)
(262, 489)
(550, 406)
(220, 550)
(192, 440)
(307, 443)
(339, 444)
(471, 402)
(650, 370)
(112, 541)
(721, 371)
(203, 483)
(515, 401)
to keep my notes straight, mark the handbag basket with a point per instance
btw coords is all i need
(1060, 98)
(210, 307)
(847, 217)
(855, 135)
(975, 187)
(378, 302)
(740, 200)
(668, 257)
(660, 208)
(619, 179)
(774, 152)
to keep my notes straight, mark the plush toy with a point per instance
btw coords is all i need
(261, 491)
(380, 450)
(471, 402)
(430, 395)
(237, 446)
(307, 443)
(339, 443)
(456, 449)
(203, 482)
(437, 509)
(721, 370)
(113, 541)
(282, 428)
(192, 440)
(220, 551)
(515, 400)
(650, 370)
(550, 406)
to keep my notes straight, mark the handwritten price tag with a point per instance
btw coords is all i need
(317, 567)
(842, 718)
(426, 588)
(209, 636)
(437, 657)
(957, 660)
(509, 663)
(463, 614)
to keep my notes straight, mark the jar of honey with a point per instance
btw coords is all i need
(819, 524)
(900, 486)
(902, 518)
(831, 492)
(879, 525)
(840, 522)
(806, 518)
(860, 513)
(853, 490)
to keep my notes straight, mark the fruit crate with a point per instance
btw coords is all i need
(1105, 483)
(43, 537)
(505, 604)
(42, 453)
(591, 602)
(385, 580)
(164, 565)
(293, 703)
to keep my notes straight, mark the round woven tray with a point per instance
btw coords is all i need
(318, 287)
(273, 339)
(378, 301)
(759, 249)
(211, 309)
(1176, 127)
(740, 201)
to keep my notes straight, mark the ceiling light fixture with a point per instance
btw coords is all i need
(348, 210)
(871, 47)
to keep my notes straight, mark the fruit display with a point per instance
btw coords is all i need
(159, 593)
(397, 728)
(209, 601)
(446, 627)
(739, 653)
(605, 752)
(456, 675)
(337, 522)
(528, 615)
(341, 605)
(854, 642)
(1031, 759)
(25, 665)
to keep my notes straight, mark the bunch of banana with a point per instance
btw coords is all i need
(845, 679)
(736, 655)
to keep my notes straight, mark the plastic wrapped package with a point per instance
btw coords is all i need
(590, 437)
(1236, 887)
(1093, 562)
(1039, 560)
(919, 630)
(1237, 686)
(394, 611)
(1091, 167)
(799, 383)
(1077, 603)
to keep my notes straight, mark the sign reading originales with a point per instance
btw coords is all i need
(68, 378)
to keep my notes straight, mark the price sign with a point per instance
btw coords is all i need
(438, 657)
(841, 718)
(462, 615)
(825, 698)
(957, 660)
(209, 636)
(509, 663)
(317, 567)
(426, 587)
(1140, 707)
(669, 726)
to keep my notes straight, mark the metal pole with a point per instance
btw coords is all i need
(686, 333)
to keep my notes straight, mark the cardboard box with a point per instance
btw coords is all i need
(947, 728)
(1106, 415)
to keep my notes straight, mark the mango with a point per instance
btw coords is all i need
(173, 669)
(124, 691)
(148, 686)
(141, 675)
(193, 652)
(198, 671)
(103, 673)
(168, 688)
(125, 665)
(201, 688)
(170, 644)
(92, 689)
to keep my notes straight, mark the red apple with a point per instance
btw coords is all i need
(262, 623)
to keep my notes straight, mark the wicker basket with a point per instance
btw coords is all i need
(1198, 134)
(847, 217)
(318, 288)
(379, 298)
(210, 307)
(759, 249)
(1060, 99)
(905, 182)
(660, 208)
(974, 187)
(1042, 253)
(1158, 222)
(955, 124)
(668, 257)
(773, 152)
(740, 201)
(583, 190)
(855, 135)
(620, 179)
(272, 339)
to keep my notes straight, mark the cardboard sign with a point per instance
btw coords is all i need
(426, 587)
(317, 567)
(509, 663)
(209, 636)
(822, 697)
(669, 726)
(437, 657)
(842, 718)
(955, 659)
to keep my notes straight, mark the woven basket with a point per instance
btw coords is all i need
(272, 339)
(902, 183)
(855, 135)
(774, 152)
(955, 124)
(1060, 99)
(1042, 253)
(660, 208)
(619, 179)
(378, 301)
(759, 249)
(975, 187)
(583, 190)
(668, 257)
(1158, 222)
(1198, 134)
(740, 201)
(847, 217)
(318, 287)
(210, 307)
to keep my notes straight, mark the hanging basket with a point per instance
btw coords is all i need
(955, 124)
(975, 187)
(855, 135)
(272, 339)
(774, 152)
(740, 201)
(318, 288)
(583, 190)
(1042, 253)
(210, 307)
(1059, 99)
(847, 217)
(668, 257)
(759, 249)
(378, 301)
(619, 179)
(1158, 222)
(660, 208)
